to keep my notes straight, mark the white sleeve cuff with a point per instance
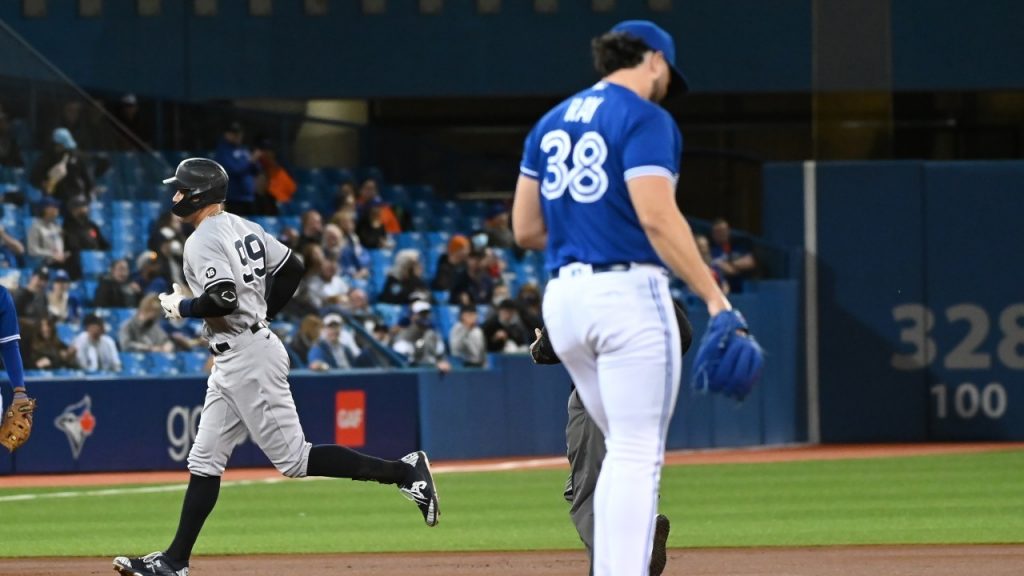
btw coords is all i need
(529, 173)
(10, 338)
(639, 171)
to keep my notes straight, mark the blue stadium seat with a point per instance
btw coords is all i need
(87, 290)
(134, 363)
(284, 330)
(150, 210)
(390, 313)
(407, 240)
(423, 192)
(334, 176)
(441, 296)
(124, 209)
(66, 332)
(269, 223)
(163, 363)
(290, 222)
(445, 317)
(420, 223)
(193, 361)
(448, 224)
(397, 195)
(94, 263)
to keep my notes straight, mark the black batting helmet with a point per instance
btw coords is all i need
(202, 181)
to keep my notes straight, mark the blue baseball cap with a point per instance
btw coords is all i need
(657, 40)
(63, 137)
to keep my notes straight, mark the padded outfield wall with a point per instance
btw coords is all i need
(919, 284)
(512, 409)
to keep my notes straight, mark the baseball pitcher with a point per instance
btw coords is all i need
(596, 191)
(243, 276)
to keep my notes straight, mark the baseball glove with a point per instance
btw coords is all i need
(541, 350)
(17, 424)
(729, 359)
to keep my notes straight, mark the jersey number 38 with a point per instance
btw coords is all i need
(586, 181)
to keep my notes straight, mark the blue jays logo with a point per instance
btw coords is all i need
(77, 423)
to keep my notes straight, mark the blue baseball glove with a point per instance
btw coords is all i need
(729, 359)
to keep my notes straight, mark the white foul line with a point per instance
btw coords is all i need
(122, 491)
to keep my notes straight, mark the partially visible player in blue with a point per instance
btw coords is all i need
(597, 191)
(10, 349)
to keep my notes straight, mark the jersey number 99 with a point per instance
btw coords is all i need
(252, 246)
(586, 181)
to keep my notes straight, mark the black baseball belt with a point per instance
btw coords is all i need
(222, 347)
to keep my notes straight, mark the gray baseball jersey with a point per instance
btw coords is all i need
(226, 247)
(247, 392)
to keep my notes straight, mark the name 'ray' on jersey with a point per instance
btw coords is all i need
(583, 151)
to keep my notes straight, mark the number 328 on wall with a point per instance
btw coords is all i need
(918, 321)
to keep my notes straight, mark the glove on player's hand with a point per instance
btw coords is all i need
(170, 303)
(17, 424)
(541, 350)
(729, 359)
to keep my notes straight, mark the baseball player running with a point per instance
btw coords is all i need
(17, 420)
(242, 276)
(596, 190)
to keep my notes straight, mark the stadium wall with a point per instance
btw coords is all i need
(514, 408)
(920, 315)
(724, 46)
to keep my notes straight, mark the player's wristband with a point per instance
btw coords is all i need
(185, 307)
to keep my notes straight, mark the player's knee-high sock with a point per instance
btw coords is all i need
(200, 498)
(340, 462)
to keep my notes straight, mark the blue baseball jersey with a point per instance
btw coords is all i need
(8, 318)
(583, 152)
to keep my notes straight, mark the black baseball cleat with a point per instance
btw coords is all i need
(421, 489)
(659, 554)
(155, 564)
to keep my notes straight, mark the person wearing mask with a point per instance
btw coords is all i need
(60, 171)
(467, 339)
(80, 233)
(504, 330)
(242, 169)
(474, 285)
(61, 304)
(419, 342)
(95, 350)
(451, 265)
(337, 349)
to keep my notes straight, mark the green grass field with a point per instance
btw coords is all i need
(971, 498)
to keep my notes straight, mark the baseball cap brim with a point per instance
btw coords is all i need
(678, 84)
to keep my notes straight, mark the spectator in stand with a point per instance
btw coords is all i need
(289, 237)
(327, 290)
(95, 350)
(345, 198)
(499, 295)
(529, 301)
(733, 258)
(467, 339)
(371, 229)
(359, 308)
(142, 332)
(10, 152)
(30, 300)
(185, 333)
(275, 186)
(305, 338)
(150, 274)
(452, 265)
(117, 290)
(11, 250)
(704, 247)
(369, 198)
(80, 233)
(474, 285)
(504, 330)
(312, 228)
(47, 350)
(81, 128)
(498, 228)
(419, 342)
(61, 304)
(355, 261)
(405, 281)
(171, 262)
(332, 243)
(241, 167)
(166, 228)
(45, 239)
(60, 171)
(127, 113)
(337, 349)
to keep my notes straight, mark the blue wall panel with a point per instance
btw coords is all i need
(870, 248)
